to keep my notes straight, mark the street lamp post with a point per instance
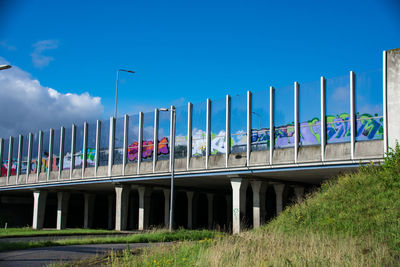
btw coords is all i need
(116, 90)
(4, 67)
(172, 151)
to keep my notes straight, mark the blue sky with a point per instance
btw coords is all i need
(188, 50)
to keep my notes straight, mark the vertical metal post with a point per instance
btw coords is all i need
(271, 124)
(296, 121)
(50, 160)
(19, 162)
(248, 128)
(189, 135)
(140, 141)
(323, 119)
(385, 122)
(208, 131)
(352, 114)
(39, 158)
(171, 157)
(97, 152)
(111, 145)
(228, 130)
(155, 140)
(171, 209)
(10, 157)
(85, 147)
(29, 159)
(125, 151)
(61, 156)
(73, 138)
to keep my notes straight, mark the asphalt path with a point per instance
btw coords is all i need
(58, 237)
(42, 256)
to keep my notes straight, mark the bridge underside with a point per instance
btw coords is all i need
(224, 198)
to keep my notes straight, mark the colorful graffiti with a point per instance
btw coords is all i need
(32, 167)
(45, 163)
(147, 149)
(368, 127)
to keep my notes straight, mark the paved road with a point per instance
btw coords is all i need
(42, 256)
(58, 237)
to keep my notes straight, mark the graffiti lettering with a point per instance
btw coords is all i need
(147, 147)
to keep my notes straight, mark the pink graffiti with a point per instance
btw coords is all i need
(147, 149)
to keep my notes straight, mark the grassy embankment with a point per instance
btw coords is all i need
(353, 220)
(148, 237)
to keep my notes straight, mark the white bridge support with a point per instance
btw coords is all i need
(256, 186)
(62, 209)
(39, 209)
(237, 184)
(144, 207)
(121, 206)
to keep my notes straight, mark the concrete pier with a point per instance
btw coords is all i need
(88, 210)
(121, 206)
(62, 209)
(39, 209)
(144, 207)
(236, 184)
(256, 186)
(279, 197)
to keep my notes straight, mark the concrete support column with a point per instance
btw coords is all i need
(236, 184)
(210, 198)
(189, 195)
(110, 211)
(144, 207)
(62, 209)
(167, 194)
(256, 186)
(299, 192)
(39, 209)
(279, 193)
(88, 210)
(121, 206)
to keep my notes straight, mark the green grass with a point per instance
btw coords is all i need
(27, 231)
(366, 203)
(353, 220)
(150, 237)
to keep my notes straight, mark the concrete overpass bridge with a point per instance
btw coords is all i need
(238, 161)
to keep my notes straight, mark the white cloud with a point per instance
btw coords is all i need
(7, 46)
(27, 106)
(40, 60)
